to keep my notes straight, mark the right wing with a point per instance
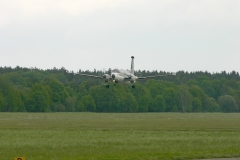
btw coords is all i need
(88, 75)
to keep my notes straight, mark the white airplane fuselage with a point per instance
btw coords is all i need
(123, 76)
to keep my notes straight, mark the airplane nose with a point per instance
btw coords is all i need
(113, 76)
(104, 76)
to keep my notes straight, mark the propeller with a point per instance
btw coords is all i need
(113, 76)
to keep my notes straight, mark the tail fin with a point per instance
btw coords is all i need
(132, 65)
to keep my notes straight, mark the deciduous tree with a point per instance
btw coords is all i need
(185, 98)
(89, 103)
(158, 104)
(129, 103)
(1, 102)
(170, 96)
(39, 99)
(227, 103)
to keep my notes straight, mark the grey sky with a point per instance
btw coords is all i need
(167, 35)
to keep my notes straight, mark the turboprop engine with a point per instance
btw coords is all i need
(132, 78)
(113, 76)
(117, 78)
(114, 80)
(106, 77)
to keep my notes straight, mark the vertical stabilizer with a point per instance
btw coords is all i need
(132, 65)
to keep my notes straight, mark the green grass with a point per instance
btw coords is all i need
(60, 136)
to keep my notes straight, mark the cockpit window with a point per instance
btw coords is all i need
(115, 71)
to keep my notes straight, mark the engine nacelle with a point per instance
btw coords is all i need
(117, 78)
(113, 76)
(106, 77)
(133, 79)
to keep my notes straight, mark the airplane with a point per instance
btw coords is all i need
(126, 77)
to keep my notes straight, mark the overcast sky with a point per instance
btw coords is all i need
(166, 35)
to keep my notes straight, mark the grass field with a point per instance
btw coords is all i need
(62, 136)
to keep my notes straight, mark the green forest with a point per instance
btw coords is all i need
(60, 90)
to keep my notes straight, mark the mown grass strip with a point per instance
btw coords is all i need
(119, 136)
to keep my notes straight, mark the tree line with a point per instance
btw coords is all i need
(60, 90)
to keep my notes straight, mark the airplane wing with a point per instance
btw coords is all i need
(93, 76)
(162, 75)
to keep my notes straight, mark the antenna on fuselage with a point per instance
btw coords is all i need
(132, 65)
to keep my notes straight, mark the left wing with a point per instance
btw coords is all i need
(162, 75)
